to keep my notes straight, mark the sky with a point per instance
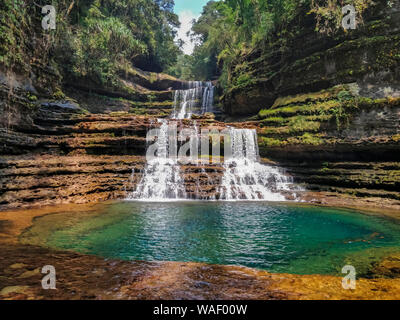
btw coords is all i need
(187, 10)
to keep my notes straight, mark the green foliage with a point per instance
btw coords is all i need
(345, 95)
(93, 38)
(243, 81)
(13, 22)
(329, 13)
(101, 47)
(183, 69)
(229, 30)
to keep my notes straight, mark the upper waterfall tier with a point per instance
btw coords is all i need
(198, 98)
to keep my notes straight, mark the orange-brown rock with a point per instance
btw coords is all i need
(92, 278)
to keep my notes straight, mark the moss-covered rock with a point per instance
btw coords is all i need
(305, 61)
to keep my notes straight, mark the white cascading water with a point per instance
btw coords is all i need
(245, 178)
(161, 178)
(197, 99)
(208, 98)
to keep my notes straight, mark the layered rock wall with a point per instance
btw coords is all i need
(303, 60)
(328, 106)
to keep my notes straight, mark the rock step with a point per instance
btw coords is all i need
(54, 180)
(383, 176)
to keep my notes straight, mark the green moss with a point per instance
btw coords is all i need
(324, 170)
(274, 120)
(243, 80)
(32, 97)
(153, 77)
(275, 131)
(396, 138)
(309, 97)
(309, 116)
(138, 111)
(58, 94)
(345, 95)
(304, 109)
(300, 124)
(310, 139)
(271, 142)
(305, 139)
(156, 104)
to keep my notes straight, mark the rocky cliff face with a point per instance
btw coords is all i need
(80, 145)
(304, 61)
(328, 107)
(66, 156)
(58, 152)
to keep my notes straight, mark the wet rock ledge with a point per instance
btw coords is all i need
(91, 278)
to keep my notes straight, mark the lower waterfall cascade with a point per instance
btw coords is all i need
(244, 177)
(161, 177)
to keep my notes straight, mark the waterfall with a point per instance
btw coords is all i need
(245, 178)
(161, 178)
(198, 98)
(208, 98)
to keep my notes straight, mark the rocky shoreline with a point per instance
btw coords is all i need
(82, 276)
(327, 113)
(93, 278)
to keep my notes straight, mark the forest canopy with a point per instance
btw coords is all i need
(227, 28)
(93, 38)
(97, 39)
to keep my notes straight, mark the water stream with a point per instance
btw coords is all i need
(244, 178)
(161, 178)
(198, 98)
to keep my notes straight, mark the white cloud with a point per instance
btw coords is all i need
(186, 17)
